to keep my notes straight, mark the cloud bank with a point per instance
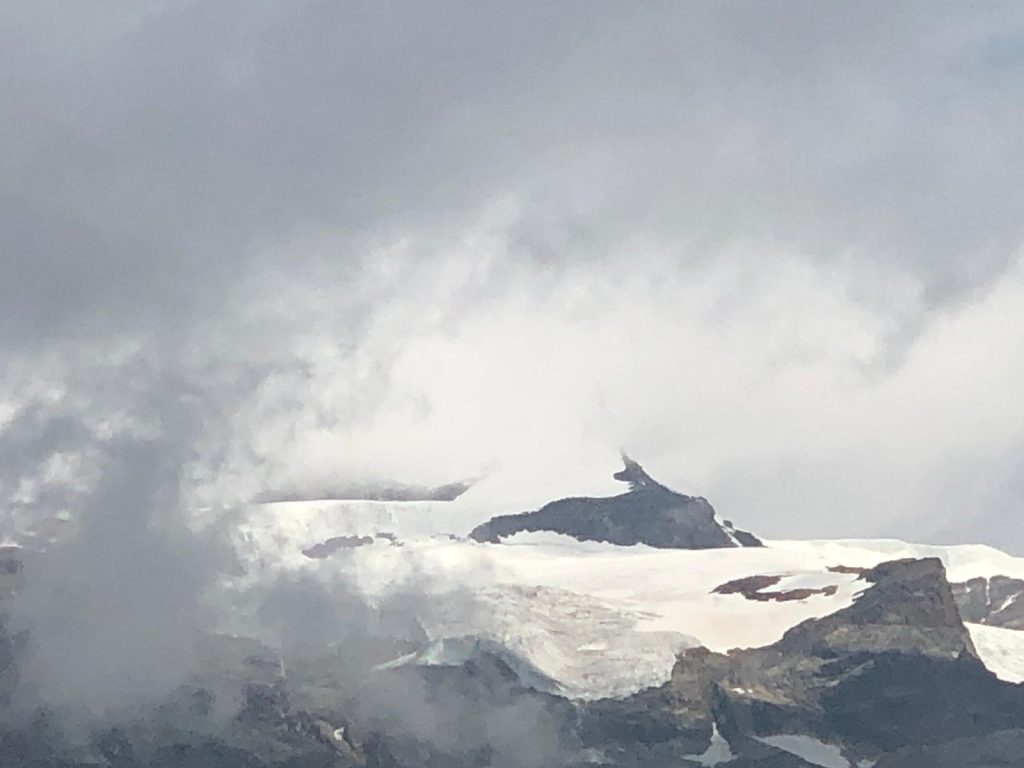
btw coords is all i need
(775, 253)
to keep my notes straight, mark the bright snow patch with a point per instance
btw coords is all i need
(809, 749)
(596, 618)
(718, 751)
(1002, 650)
(962, 561)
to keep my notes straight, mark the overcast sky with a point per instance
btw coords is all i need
(773, 250)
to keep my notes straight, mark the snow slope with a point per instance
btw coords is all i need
(1001, 649)
(597, 619)
(962, 561)
(808, 749)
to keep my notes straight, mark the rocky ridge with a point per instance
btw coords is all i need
(997, 601)
(649, 513)
(895, 671)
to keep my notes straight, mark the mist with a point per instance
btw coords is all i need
(774, 253)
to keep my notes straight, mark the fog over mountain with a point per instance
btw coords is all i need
(265, 250)
(774, 251)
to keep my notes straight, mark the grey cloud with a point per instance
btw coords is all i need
(114, 611)
(280, 206)
(149, 155)
(357, 241)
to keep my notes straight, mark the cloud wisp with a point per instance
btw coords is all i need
(775, 253)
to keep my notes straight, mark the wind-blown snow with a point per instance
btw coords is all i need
(598, 619)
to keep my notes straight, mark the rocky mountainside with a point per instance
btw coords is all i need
(895, 671)
(993, 750)
(996, 601)
(891, 680)
(649, 513)
(555, 650)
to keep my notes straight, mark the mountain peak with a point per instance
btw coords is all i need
(649, 513)
(635, 475)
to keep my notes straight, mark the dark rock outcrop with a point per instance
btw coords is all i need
(907, 607)
(324, 549)
(649, 513)
(477, 711)
(998, 601)
(895, 670)
(1002, 749)
(897, 667)
(759, 588)
(334, 544)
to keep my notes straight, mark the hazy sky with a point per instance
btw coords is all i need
(771, 249)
